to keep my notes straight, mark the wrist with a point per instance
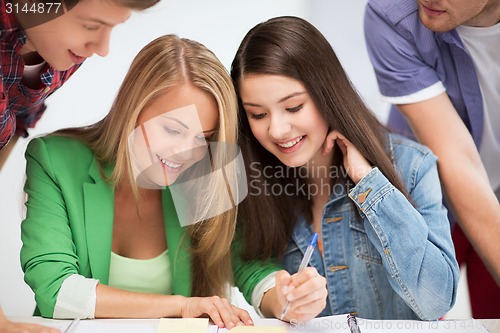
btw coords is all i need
(270, 306)
(179, 304)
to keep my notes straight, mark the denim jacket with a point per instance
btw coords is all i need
(383, 257)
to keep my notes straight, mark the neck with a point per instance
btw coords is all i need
(32, 58)
(320, 172)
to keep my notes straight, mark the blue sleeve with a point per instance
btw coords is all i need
(414, 241)
(396, 55)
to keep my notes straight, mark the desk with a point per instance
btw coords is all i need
(150, 325)
(492, 325)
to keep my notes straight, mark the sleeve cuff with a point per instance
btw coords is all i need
(260, 289)
(422, 95)
(369, 189)
(76, 298)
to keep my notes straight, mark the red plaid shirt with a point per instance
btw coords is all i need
(20, 106)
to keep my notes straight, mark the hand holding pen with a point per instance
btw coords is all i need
(303, 295)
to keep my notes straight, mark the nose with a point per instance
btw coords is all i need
(184, 151)
(279, 127)
(100, 45)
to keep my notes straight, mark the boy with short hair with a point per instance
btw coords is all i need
(41, 45)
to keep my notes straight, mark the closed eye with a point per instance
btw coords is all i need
(257, 116)
(91, 27)
(295, 109)
(172, 131)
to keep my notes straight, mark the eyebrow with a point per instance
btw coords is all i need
(178, 121)
(280, 101)
(97, 20)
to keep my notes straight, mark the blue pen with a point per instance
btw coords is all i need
(303, 264)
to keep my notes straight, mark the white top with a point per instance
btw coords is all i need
(31, 75)
(483, 45)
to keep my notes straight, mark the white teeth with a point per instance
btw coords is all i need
(290, 143)
(170, 164)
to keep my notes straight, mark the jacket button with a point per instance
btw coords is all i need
(362, 196)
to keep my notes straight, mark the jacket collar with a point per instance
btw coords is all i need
(99, 210)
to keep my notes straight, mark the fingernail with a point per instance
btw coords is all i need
(284, 289)
(289, 297)
(240, 324)
(221, 324)
(230, 324)
(249, 322)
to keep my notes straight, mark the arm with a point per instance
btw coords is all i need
(6, 150)
(413, 241)
(306, 290)
(117, 303)
(50, 265)
(464, 179)
(401, 71)
(6, 326)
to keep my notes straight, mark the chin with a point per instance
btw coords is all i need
(293, 163)
(61, 66)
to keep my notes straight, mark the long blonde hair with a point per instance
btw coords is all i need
(162, 64)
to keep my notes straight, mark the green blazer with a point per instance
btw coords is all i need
(69, 225)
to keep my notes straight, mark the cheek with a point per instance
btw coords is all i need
(199, 153)
(157, 138)
(259, 130)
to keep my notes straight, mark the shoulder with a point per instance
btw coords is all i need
(63, 154)
(410, 157)
(394, 11)
(399, 16)
(59, 144)
(404, 147)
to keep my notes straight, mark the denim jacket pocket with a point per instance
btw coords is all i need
(363, 248)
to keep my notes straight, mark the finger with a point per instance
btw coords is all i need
(283, 281)
(304, 275)
(342, 145)
(312, 289)
(301, 317)
(329, 142)
(208, 307)
(226, 312)
(310, 298)
(243, 315)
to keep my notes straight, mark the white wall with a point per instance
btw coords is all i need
(342, 24)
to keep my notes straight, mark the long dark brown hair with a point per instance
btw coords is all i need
(292, 47)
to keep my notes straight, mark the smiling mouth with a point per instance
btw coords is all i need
(291, 143)
(433, 11)
(169, 164)
(78, 58)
